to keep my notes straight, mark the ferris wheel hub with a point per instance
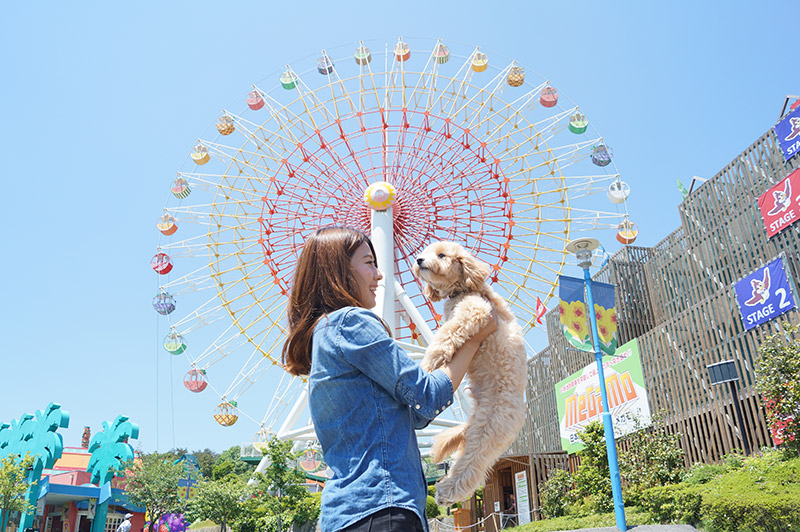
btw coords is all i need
(380, 196)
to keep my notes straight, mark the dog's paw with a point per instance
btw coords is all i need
(438, 355)
(447, 492)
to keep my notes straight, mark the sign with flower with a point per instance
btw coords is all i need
(574, 318)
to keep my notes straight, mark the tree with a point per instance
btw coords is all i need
(221, 501)
(593, 478)
(285, 486)
(230, 463)
(13, 486)
(206, 460)
(778, 382)
(153, 483)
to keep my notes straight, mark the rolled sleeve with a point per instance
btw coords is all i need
(364, 343)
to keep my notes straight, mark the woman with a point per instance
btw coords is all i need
(366, 395)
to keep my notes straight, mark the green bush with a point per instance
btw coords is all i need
(592, 479)
(554, 493)
(672, 503)
(756, 512)
(431, 508)
(703, 473)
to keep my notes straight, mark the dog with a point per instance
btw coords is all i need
(497, 373)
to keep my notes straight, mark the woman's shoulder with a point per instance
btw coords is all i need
(347, 315)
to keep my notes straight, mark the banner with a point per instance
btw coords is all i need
(523, 503)
(788, 133)
(579, 401)
(764, 294)
(780, 205)
(574, 320)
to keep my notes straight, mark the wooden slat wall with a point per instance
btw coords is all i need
(678, 299)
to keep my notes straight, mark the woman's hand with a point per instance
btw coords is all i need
(486, 330)
(457, 367)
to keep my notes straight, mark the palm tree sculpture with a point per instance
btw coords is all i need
(110, 451)
(38, 437)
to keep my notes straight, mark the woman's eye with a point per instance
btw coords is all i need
(441, 255)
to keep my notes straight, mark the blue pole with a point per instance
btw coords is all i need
(611, 447)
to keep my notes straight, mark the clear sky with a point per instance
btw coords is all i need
(101, 101)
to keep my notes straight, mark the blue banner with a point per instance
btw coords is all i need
(764, 294)
(788, 133)
(574, 316)
(572, 312)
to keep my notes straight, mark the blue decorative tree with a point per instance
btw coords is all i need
(37, 436)
(110, 452)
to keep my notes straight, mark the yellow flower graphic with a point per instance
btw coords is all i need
(606, 323)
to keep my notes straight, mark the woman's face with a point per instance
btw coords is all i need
(367, 275)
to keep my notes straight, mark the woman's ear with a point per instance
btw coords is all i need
(475, 272)
(432, 295)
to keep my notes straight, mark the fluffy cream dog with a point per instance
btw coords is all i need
(497, 374)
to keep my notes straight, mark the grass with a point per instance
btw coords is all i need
(633, 517)
(202, 524)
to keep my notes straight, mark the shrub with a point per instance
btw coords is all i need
(756, 512)
(703, 473)
(778, 382)
(592, 480)
(431, 508)
(554, 493)
(654, 456)
(672, 503)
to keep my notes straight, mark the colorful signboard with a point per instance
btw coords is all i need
(788, 133)
(579, 403)
(764, 294)
(780, 205)
(574, 320)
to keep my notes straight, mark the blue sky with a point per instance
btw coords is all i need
(101, 103)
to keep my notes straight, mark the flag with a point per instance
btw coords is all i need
(683, 189)
(606, 315)
(574, 318)
(540, 310)
(572, 313)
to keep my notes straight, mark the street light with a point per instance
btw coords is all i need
(582, 248)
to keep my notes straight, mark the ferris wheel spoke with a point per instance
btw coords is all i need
(472, 157)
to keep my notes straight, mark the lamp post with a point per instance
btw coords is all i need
(582, 248)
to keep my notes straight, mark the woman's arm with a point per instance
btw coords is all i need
(457, 367)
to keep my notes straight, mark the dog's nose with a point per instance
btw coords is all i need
(420, 260)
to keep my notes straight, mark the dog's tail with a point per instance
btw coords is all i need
(447, 442)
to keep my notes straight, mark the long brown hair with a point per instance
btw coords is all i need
(323, 282)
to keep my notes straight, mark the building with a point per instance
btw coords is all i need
(67, 497)
(677, 298)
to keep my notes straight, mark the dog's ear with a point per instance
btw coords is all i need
(475, 272)
(432, 295)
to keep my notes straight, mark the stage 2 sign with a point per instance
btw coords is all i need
(764, 294)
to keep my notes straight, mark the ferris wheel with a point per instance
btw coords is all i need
(437, 142)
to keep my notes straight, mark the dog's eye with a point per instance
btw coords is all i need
(441, 255)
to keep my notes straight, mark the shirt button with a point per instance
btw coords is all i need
(448, 402)
(437, 411)
(416, 406)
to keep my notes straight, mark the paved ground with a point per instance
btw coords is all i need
(642, 528)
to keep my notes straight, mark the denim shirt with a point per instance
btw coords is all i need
(366, 397)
